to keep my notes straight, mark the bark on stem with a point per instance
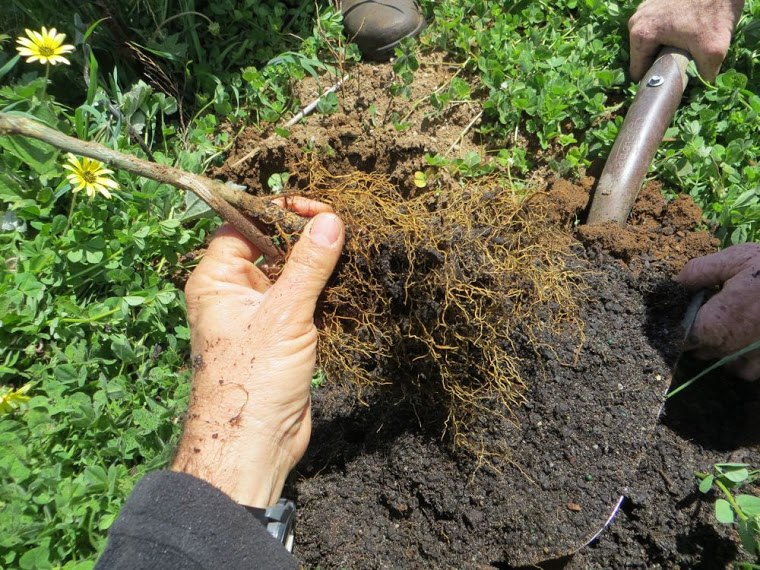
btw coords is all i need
(225, 201)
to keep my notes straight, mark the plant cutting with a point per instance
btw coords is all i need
(733, 508)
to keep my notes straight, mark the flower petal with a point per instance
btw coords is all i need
(108, 183)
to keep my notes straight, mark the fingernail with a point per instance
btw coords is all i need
(325, 229)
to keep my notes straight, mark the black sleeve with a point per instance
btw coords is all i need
(173, 520)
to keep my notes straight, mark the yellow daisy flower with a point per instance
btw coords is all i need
(89, 175)
(45, 46)
(11, 399)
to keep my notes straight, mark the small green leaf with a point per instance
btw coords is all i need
(141, 232)
(706, 483)
(737, 475)
(328, 104)
(58, 224)
(195, 208)
(277, 181)
(93, 256)
(723, 512)
(166, 297)
(749, 504)
(40, 156)
(145, 419)
(66, 373)
(123, 349)
(749, 537)
(35, 559)
(75, 256)
(8, 66)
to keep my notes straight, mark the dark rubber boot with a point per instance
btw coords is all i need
(377, 26)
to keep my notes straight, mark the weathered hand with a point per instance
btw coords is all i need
(730, 320)
(254, 350)
(701, 27)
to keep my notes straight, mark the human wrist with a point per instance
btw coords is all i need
(223, 444)
(250, 473)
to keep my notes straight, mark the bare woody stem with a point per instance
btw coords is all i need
(224, 200)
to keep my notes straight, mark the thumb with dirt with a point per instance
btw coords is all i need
(730, 320)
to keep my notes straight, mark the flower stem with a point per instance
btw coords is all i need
(47, 75)
(90, 319)
(71, 213)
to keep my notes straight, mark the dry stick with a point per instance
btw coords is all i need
(464, 132)
(220, 197)
(297, 117)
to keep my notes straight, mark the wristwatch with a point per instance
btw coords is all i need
(279, 520)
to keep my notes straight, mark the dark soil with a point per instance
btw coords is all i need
(381, 488)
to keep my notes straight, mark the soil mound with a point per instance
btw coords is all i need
(657, 231)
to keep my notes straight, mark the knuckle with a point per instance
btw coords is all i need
(641, 29)
(714, 50)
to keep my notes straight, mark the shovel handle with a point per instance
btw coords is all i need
(658, 97)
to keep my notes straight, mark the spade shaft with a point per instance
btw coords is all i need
(658, 97)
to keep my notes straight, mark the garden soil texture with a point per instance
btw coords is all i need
(381, 485)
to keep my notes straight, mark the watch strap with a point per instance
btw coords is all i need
(279, 520)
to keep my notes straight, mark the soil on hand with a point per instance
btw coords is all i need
(383, 486)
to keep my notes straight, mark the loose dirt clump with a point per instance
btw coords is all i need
(657, 231)
(370, 131)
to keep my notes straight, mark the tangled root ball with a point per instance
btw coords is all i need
(446, 295)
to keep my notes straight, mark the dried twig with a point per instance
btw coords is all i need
(220, 197)
(297, 117)
(464, 132)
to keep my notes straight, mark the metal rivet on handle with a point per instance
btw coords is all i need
(655, 81)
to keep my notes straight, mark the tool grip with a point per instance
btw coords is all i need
(659, 95)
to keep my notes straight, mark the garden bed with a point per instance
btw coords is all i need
(381, 485)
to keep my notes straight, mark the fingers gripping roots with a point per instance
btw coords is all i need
(451, 294)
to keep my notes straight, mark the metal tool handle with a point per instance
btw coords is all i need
(659, 95)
